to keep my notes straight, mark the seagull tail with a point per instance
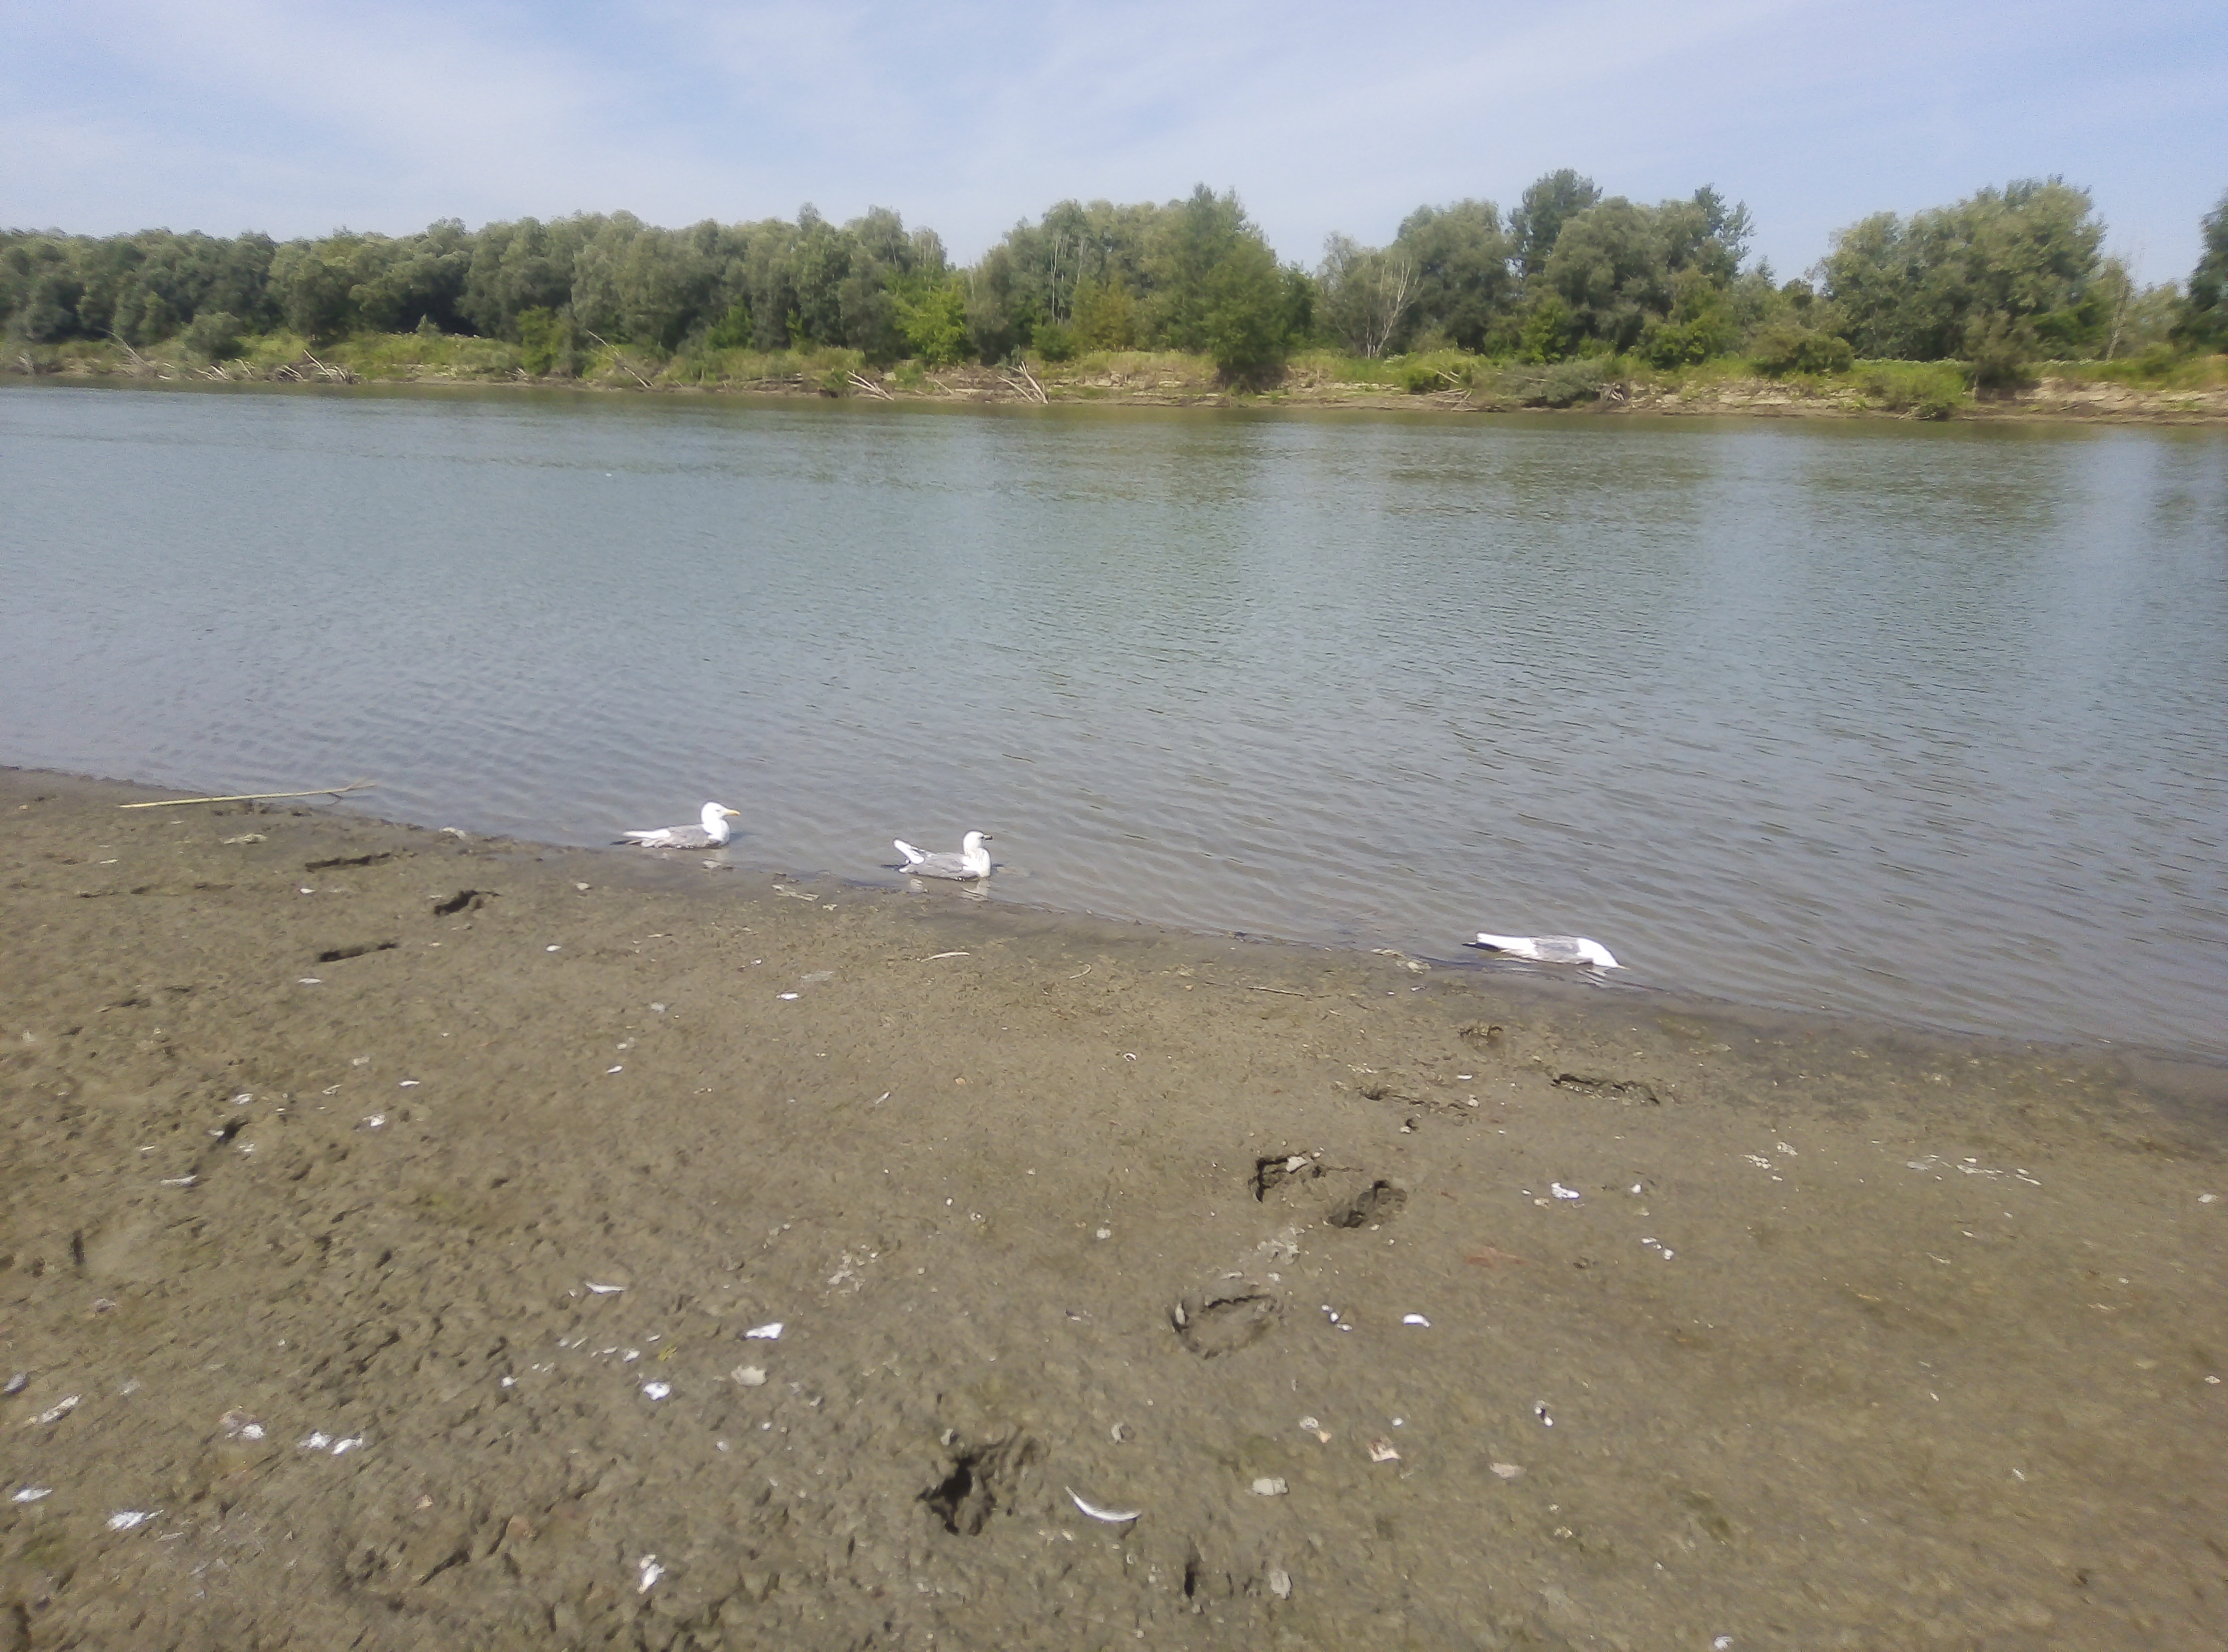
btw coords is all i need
(914, 856)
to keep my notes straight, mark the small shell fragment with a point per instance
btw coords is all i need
(657, 1390)
(124, 1520)
(769, 1332)
(1280, 1582)
(596, 1290)
(1508, 1470)
(1111, 1516)
(1415, 1319)
(1270, 1486)
(1561, 1192)
(649, 1573)
(32, 1494)
(58, 1410)
(748, 1376)
(1383, 1451)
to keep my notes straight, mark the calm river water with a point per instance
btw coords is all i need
(1920, 723)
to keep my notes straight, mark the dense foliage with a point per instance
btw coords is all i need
(1995, 281)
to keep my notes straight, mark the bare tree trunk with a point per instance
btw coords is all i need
(1393, 284)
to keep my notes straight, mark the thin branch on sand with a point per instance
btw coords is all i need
(256, 797)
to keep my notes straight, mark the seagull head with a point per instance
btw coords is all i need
(715, 814)
(974, 840)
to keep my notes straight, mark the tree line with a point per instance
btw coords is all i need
(2002, 277)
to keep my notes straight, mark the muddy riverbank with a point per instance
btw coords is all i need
(397, 1224)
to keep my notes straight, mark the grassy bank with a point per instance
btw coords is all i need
(2154, 386)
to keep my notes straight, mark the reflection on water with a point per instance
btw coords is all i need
(1919, 722)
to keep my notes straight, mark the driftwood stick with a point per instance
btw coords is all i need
(256, 797)
(618, 356)
(860, 381)
(1285, 992)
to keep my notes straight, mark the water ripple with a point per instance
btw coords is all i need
(1919, 724)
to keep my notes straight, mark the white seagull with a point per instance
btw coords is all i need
(973, 861)
(712, 834)
(1549, 949)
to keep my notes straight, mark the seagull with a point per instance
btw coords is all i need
(1549, 949)
(713, 833)
(973, 861)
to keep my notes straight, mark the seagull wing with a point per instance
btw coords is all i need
(670, 838)
(940, 866)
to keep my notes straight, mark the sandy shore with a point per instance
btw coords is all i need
(390, 1219)
(1191, 382)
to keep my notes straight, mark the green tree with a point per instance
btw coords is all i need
(518, 267)
(1367, 294)
(1217, 287)
(1609, 269)
(2010, 270)
(310, 284)
(1106, 314)
(1465, 291)
(2205, 317)
(932, 316)
(1549, 332)
(1548, 204)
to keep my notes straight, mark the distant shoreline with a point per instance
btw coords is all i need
(1906, 391)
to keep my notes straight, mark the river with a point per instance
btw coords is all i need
(1918, 723)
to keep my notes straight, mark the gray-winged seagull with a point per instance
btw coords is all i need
(1549, 949)
(713, 833)
(973, 861)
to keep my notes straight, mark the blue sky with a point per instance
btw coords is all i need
(298, 116)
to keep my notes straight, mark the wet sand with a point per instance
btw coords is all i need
(322, 1135)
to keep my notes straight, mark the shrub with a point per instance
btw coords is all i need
(1559, 384)
(732, 331)
(546, 343)
(1923, 389)
(1054, 341)
(1427, 371)
(2000, 353)
(214, 335)
(1785, 348)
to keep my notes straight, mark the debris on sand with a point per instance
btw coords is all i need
(1111, 1516)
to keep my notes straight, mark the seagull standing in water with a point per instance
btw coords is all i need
(1548, 949)
(709, 836)
(972, 861)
